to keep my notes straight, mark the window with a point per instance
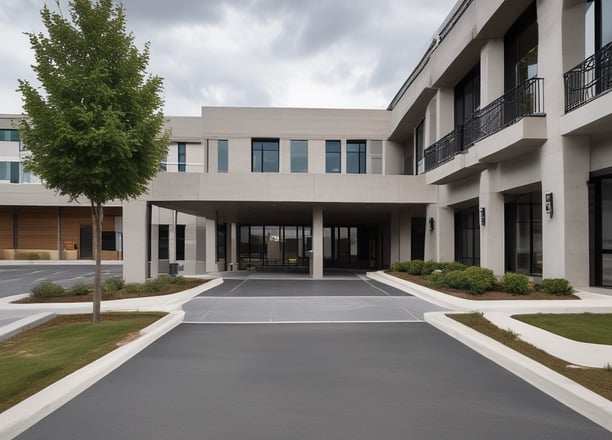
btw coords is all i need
(375, 157)
(180, 242)
(182, 157)
(603, 23)
(9, 135)
(521, 49)
(523, 233)
(467, 237)
(356, 157)
(108, 241)
(164, 164)
(221, 238)
(299, 156)
(264, 155)
(332, 156)
(222, 156)
(162, 242)
(467, 96)
(419, 145)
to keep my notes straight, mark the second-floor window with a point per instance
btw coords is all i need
(332, 156)
(467, 96)
(521, 49)
(222, 156)
(182, 157)
(356, 157)
(9, 135)
(299, 156)
(264, 155)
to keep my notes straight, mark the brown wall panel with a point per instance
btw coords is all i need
(6, 228)
(73, 218)
(37, 228)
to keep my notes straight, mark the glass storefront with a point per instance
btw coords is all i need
(523, 233)
(600, 212)
(467, 237)
(274, 246)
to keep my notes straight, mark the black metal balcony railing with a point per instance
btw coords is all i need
(589, 79)
(527, 99)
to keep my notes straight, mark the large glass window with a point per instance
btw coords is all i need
(356, 157)
(603, 23)
(162, 243)
(274, 246)
(521, 49)
(180, 242)
(467, 96)
(467, 237)
(264, 155)
(222, 156)
(182, 157)
(523, 235)
(332, 156)
(109, 240)
(600, 212)
(9, 135)
(419, 145)
(299, 156)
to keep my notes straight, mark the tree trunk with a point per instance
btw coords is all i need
(97, 216)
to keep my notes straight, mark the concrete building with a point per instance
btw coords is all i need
(496, 151)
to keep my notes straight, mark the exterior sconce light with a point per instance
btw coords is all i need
(548, 199)
(483, 216)
(431, 223)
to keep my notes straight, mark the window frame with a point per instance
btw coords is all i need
(296, 144)
(335, 155)
(259, 147)
(222, 153)
(361, 156)
(182, 157)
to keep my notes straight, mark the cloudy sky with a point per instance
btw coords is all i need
(281, 53)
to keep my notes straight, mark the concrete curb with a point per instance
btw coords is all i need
(59, 262)
(591, 405)
(23, 324)
(20, 417)
(593, 303)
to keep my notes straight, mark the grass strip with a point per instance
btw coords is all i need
(38, 357)
(594, 328)
(598, 380)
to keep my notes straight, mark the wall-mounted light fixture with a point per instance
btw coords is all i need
(548, 203)
(483, 216)
(431, 223)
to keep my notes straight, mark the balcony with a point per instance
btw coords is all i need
(525, 100)
(587, 101)
(589, 79)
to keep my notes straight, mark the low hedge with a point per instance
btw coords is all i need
(556, 286)
(515, 283)
(47, 289)
(474, 279)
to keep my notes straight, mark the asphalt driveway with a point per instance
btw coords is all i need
(312, 381)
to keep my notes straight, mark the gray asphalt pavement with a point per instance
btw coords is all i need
(20, 279)
(312, 381)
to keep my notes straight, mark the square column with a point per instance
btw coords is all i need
(211, 246)
(491, 71)
(136, 224)
(232, 251)
(492, 232)
(316, 264)
(439, 235)
(400, 236)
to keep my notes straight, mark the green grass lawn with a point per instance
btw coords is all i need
(598, 380)
(37, 357)
(595, 328)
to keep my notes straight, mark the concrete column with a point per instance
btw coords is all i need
(317, 243)
(405, 227)
(136, 222)
(492, 232)
(211, 245)
(200, 245)
(172, 238)
(232, 251)
(439, 241)
(154, 238)
(565, 160)
(445, 110)
(491, 71)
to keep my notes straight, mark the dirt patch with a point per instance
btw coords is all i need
(129, 338)
(490, 295)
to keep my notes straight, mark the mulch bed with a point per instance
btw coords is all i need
(487, 296)
(120, 294)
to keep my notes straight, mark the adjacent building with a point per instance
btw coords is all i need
(496, 151)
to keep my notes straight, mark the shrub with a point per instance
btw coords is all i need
(112, 285)
(451, 266)
(178, 281)
(457, 279)
(79, 289)
(159, 284)
(515, 283)
(415, 267)
(47, 289)
(134, 287)
(429, 267)
(437, 279)
(479, 279)
(556, 286)
(400, 266)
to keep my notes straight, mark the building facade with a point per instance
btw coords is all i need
(496, 151)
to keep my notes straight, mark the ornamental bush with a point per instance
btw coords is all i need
(479, 279)
(429, 267)
(80, 289)
(457, 279)
(556, 286)
(47, 289)
(112, 285)
(451, 266)
(515, 283)
(415, 267)
(400, 266)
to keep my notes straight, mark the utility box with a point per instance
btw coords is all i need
(173, 269)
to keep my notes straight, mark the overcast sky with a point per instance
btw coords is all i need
(281, 53)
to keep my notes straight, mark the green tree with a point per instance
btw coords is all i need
(94, 127)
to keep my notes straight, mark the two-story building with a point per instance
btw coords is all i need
(496, 151)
